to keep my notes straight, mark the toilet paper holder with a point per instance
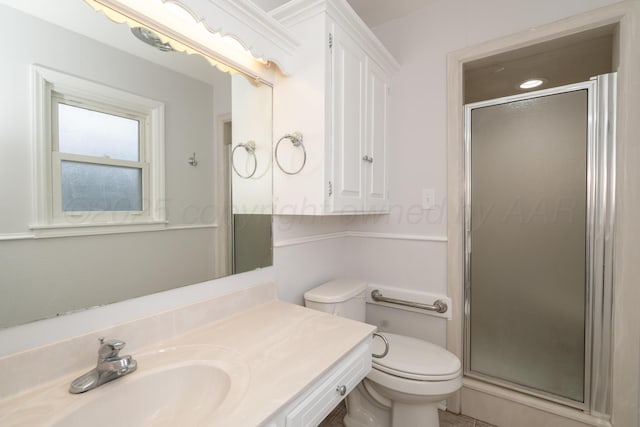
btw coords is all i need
(386, 346)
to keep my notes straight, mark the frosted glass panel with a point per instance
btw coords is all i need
(91, 133)
(89, 187)
(528, 242)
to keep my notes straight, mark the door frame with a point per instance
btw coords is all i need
(224, 197)
(625, 360)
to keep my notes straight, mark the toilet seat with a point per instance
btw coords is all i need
(415, 359)
(399, 388)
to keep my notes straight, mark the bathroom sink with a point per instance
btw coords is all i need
(191, 386)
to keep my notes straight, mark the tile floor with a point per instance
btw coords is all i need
(334, 419)
(447, 419)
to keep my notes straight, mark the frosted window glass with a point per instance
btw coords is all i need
(91, 133)
(91, 187)
(528, 248)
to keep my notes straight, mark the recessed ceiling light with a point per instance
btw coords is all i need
(531, 83)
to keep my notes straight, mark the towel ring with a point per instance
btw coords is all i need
(250, 147)
(386, 346)
(296, 140)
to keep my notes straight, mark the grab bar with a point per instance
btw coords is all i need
(438, 306)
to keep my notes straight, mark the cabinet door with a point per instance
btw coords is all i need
(377, 135)
(348, 93)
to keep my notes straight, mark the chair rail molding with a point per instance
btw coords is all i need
(302, 240)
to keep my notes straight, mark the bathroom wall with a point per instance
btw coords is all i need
(307, 250)
(252, 117)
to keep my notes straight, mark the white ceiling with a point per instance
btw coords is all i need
(372, 12)
(377, 12)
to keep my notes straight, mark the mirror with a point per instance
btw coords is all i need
(216, 221)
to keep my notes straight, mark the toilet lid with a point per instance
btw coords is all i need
(415, 359)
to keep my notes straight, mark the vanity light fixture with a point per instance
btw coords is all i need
(184, 15)
(532, 83)
(177, 29)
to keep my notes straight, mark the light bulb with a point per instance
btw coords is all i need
(531, 83)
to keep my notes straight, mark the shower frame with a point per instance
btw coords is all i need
(599, 244)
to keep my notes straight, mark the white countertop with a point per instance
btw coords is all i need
(283, 347)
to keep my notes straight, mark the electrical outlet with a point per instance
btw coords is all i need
(428, 199)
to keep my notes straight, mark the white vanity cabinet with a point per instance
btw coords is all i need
(323, 395)
(338, 98)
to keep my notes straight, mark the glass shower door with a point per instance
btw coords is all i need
(527, 243)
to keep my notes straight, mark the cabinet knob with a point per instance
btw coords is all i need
(368, 159)
(342, 390)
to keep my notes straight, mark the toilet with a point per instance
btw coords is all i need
(403, 388)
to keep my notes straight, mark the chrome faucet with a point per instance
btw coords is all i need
(110, 366)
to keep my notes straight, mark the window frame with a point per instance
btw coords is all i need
(50, 87)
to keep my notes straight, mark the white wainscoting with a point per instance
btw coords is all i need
(407, 266)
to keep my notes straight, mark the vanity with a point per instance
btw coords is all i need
(263, 362)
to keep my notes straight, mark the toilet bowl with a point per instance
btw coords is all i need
(403, 388)
(408, 384)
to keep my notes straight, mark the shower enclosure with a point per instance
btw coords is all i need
(538, 228)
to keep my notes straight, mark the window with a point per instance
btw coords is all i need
(100, 159)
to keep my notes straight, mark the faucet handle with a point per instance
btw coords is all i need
(110, 348)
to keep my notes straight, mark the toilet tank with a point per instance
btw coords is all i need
(341, 297)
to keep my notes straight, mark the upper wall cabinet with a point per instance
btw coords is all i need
(338, 99)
